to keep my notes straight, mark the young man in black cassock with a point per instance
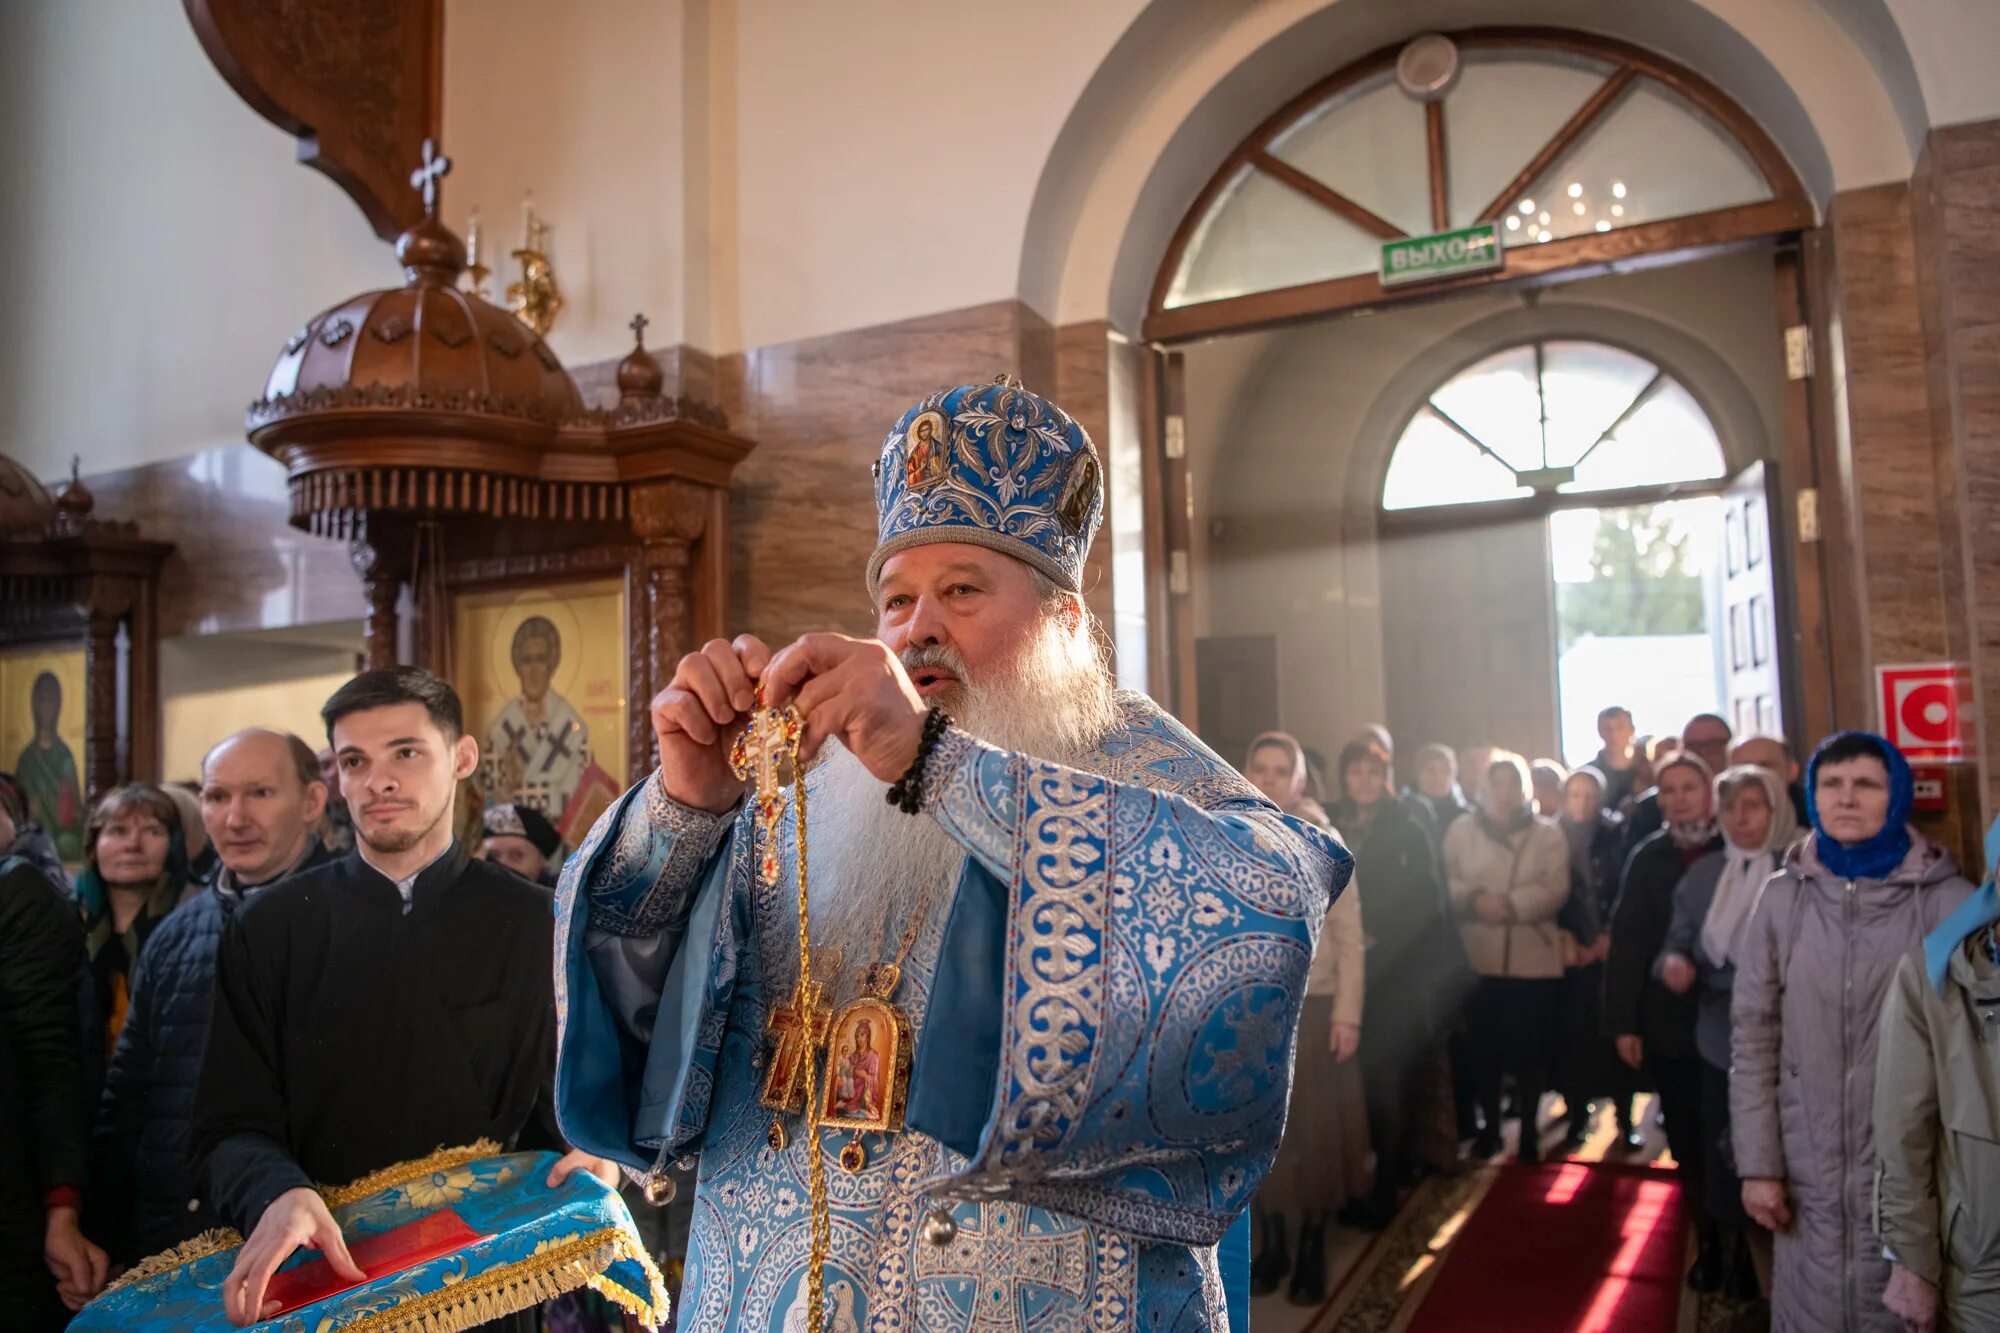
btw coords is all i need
(383, 1006)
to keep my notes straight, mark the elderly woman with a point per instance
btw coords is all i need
(1712, 907)
(1587, 1068)
(1651, 1025)
(134, 871)
(1937, 1119)
(1811, 972)
(1508, 876)
(1324, 1157)
(1414, 980)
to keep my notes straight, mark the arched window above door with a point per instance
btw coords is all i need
(1582, 150)
(1558, 416)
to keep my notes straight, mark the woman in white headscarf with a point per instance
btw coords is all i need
(1712, 904)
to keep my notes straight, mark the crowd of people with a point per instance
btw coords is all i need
(163, 1066)
(1804, 982)
(1690, 917)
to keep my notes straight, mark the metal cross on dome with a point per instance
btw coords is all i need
(638, 327)
(430, 175)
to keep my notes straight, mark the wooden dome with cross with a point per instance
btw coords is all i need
(426, 401)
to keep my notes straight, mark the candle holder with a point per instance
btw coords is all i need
(476, 272)
(536, 300)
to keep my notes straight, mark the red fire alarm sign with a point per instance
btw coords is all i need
(1927, 711)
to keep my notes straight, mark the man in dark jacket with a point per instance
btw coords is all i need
(42, 1142)
(261, 795)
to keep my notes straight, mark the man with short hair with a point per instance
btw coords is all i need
(1706, 737)
(379, 1006)
(1618, 760)
(518, 837)
(1774, 754)
(1092, 933)
(261, 797)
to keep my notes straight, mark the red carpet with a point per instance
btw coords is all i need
(1564, 1248)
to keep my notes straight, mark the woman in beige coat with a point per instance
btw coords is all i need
(1323, 1160)
(1508, 876)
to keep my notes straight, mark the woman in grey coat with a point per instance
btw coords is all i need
(1814, 964)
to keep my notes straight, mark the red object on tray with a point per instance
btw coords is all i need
(441, 1233)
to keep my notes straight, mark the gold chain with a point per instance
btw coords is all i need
(816, 1160)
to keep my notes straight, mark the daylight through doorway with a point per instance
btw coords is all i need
(1639, 611)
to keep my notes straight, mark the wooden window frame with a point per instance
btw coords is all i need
(1790, 209)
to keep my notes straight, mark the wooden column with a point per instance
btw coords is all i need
(380, 586)
(101, 768)
(669, 517)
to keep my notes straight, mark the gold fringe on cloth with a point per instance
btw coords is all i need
(402, 1173)
(500, 1292)
(187, 1252)
(476, 1300)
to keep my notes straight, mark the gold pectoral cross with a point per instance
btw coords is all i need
(762, 749)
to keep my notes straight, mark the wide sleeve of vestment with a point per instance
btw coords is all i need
(1111, 1025)
(1907, 1126)
(647, 923)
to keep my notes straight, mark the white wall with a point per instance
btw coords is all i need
(751, 173)
(1287, 430)
(161, 242)
(580, 103)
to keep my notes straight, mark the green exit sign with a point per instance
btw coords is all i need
(1445, 255)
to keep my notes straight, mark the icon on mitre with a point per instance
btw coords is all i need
(927, 456)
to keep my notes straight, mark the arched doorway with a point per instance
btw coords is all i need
(1562, 528)
(1596, 163)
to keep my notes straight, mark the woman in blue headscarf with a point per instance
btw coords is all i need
(1811, 970)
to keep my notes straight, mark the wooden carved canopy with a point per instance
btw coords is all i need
(356, 80)
(444, 441)
(66, 577)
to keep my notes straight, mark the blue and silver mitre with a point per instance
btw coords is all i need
(991, 465)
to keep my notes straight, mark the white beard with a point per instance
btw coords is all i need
(871, 868)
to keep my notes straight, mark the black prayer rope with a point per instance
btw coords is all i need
(907, 792)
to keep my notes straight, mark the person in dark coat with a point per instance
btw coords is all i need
(45, 1261)
(377, 1006)
(1437, 790)
(1415, 974)
(135, 866)
(1652, 1026)
(31, 841)
(1712, 907)
(1588, 1068)
(261, 796)
(1706, 737)
(1621, 762)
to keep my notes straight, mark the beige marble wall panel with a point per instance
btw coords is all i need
(1889, 424)
(1959, 224)
(802, 512)
(1083, 389)
(237, 563)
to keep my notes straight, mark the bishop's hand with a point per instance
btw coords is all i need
(698, 715)
(853, 690)
(296, 1217)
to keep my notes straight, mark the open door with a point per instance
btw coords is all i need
(1753, 684)
(1469, 636)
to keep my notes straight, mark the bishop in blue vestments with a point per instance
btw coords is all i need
(1097, 931)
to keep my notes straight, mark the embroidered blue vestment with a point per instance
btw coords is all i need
(1105, 1010)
